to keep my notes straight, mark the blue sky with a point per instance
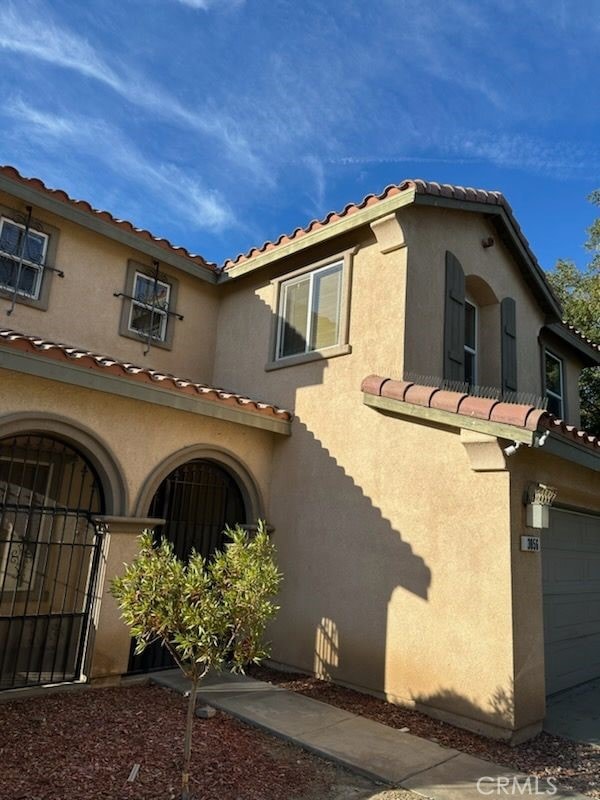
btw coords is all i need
(223, 123)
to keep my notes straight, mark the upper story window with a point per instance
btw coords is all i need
(554, 382)
(312, 317)
(471, 321)
(310, 312)
(148, 312)
(15, 245)
(149, 305)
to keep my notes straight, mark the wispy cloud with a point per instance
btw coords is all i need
(38, 36)
(179, 193)
(205, 5)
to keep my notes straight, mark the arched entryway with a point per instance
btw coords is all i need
(198, 500)
(49, 557)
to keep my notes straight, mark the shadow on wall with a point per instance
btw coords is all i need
(341, 558)
(499, 709)
(342, 561)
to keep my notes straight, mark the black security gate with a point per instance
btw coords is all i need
(49, 556)
(198, 500)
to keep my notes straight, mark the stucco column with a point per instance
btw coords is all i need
(110, 639)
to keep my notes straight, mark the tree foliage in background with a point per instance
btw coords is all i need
(579, 293)
(208, 614)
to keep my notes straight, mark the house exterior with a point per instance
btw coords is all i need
(386, 369)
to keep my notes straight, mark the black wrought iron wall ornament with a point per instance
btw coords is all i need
(155, 303)
(20, 255)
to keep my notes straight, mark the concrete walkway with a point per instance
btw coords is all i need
(377, 751)
(575, 714)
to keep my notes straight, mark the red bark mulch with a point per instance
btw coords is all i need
(83, 744)
(573, 765)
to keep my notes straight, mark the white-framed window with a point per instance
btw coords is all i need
(310, 311)
(148, 312)
(33, 248)
(554, 383)
(471, 323)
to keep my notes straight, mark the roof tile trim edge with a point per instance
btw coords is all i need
(521, 416)
(419, 186)
(38, 185)
(85, 359)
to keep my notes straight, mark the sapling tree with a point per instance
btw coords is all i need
(209, 614)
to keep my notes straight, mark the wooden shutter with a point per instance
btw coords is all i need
(508, 318)
(454, 320)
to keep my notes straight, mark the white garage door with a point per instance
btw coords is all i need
(571, 578)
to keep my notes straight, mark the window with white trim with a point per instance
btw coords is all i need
(14, 246)
(310, 311)
(148, 312)
(554, 384)
(471, 322)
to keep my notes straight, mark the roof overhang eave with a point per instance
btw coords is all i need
(589, 354)
(40, 199)
(50, 369)
(504, 220)
(357, 220)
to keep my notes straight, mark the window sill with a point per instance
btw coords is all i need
(24, 300)
(163, 345)
(305, 358)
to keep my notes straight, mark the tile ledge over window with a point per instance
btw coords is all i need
(314, 355)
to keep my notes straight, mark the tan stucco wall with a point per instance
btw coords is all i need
(83, 312)
(139, 437)
(396, 555)
(429, 233)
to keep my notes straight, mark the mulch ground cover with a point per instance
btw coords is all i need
(573, 765)
(82, 746)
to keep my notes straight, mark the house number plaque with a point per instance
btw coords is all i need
(531, 544)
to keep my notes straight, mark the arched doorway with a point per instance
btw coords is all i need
(197, 500)
(49, 556)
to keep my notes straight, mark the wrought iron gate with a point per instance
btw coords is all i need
(198, 500)
(49, 556)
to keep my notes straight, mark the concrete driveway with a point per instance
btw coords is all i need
(575, 714)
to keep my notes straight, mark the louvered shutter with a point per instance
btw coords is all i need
(454, 320)
(508, 317)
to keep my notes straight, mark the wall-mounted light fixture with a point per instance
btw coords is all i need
(489, 242)
(539, 500)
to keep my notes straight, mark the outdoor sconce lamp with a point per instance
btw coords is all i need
(539, 499)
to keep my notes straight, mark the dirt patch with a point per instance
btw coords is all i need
(573, 765)
(83, 744)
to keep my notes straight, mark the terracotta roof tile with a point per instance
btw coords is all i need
(421, 187)
(480, 407)
(82, 205)
(581, 335)
(122, 369)
(519, 415)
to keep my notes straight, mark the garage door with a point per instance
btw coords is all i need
(571, 579)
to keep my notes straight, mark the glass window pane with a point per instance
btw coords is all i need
(144, 291)
(8, 272)
(469, 368)
(554, 405)
(28, 280)
(28, 283)
(294, 301)
(553, 382)
(470, 325)
(9, 237)
(146, 323)
(34, 248)
(326, 308)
